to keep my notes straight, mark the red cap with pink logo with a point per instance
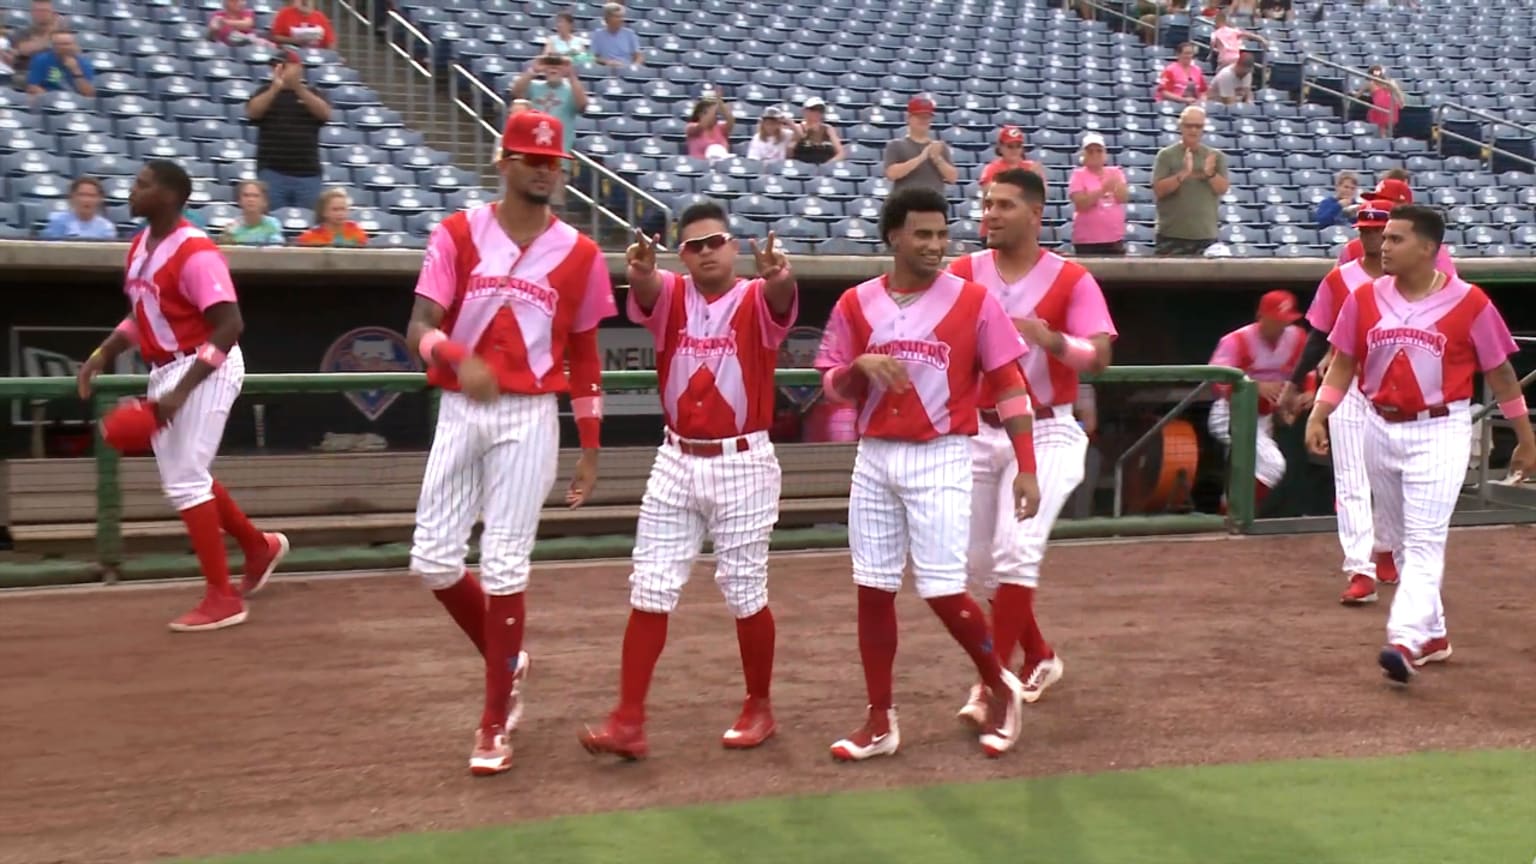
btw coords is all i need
(534, 133)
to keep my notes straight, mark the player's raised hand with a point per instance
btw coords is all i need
(641, 254)
(477, 380)
(1026, 496)
(883, 371)
(1317, 436)
(772, 263)
(583, 480)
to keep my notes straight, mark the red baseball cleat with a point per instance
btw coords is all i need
(1361, 590)
(1436, 650)
(753, 727)
(624, 740)
(492, 754)
(879, 736)
(1386, 568)
(214, 613)
(259, 568)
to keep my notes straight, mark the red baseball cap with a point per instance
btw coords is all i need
(1394, 191)
(534, 133)
(919, 105)
(1373, 213)
(1010, 135)
(1279, 306)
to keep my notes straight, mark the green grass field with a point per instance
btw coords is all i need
(1474, 807)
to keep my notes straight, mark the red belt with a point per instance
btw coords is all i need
(172, 357)
(1395, 415)
(709, 449)
(990, 416)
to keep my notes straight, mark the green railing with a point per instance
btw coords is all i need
(109, 389)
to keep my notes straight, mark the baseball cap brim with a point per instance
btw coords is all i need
(555, 152)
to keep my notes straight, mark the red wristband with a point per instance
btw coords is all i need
(1024, 452)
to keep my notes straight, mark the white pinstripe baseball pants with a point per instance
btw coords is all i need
(1269, 462)
(1416, 471)
(734, 497)
(1003, 549)
(912, 498)
(495, 462)
(185, 449)
(1361, 531)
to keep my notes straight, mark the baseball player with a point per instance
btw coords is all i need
(1413, 339)
(717, 344)
(508, 295)
(1392, 191)
(1059, 309)
(1367, 542)
(911, 349)
(1268, 350)
(185, 321)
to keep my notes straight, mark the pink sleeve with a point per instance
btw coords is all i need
(1200, 85)
(656, 321)
(1444, 264)
(205, 279)
(1343, 254)
(597, 300)
(1320, 314)
(1087, 313)
(1344, 327)
(837, 348)
(438, 280)
(1490, 336)
(1228, 352)
(998, 342)
(1078, 182)
(772, 328)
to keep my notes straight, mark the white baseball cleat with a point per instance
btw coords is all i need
(1005, 717)
(1043, 675)
(879, 736)
(515, 701)
(975, 710)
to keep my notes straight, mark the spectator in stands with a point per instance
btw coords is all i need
(550, 84)
(1152, 13)
(818, 143)
(709, 126)
(61, 67)
(613, 44)
(774, 137)
(254, 227)
(301, 25)
(1182, 80)
(916, 159)
(1386, 99)
(1188, 180)
(519, 106)
(83, 219)
(1098, 191)
(566, 42)
(1276, 10)
(235, 24)
(1010, 155)
(1340, 209)
(1234, 83)
(7, 53)
(333, 222)
(1227, 41)
(35, 40)
(288, 116)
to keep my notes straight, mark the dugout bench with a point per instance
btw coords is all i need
(356, 499)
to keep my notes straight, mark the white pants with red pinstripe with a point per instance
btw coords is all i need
(1003, 549)
(1268, 461)
(185, 449)
(1417, 469)
(494, 462)
(911, 498)
(1362, 532)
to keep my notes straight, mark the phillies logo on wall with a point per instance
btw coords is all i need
(798, 351)
(370, 349)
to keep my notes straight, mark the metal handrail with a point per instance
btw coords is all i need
(1308, 59)
(1441, 134)
(1146, 438)
(413, 36)
(1157, 31)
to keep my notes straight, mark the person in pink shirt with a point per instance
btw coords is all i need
(912, 349)
(1227, 41)
(1414, 340)
(185, 321)
(1098, 192)
(235, 24)
(1386, 99)
(1182, 80)
(709, 126)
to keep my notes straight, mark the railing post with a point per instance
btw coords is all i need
(1245, 436)
(109, 492)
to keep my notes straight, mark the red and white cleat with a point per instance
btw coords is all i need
(1397, 662)
(1361, 590)
(215, 613)
(624, 740)
(515, 701)
(1005, 717)
(492, 754)
(1437, 650)
(879, 736)
(1040, 675)
(753, 727)
(974, 712)
(259, 568)
(1386, 568)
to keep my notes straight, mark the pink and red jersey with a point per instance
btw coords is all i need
(1061, 293)
(169, 284)
(1353, 250)
(946, 338)
(715, 356)
(1414, 356)
(1340, 282)
(514, 307)
(1246, 348)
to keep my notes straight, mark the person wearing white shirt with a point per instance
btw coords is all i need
(1234, 83)
(774, 137)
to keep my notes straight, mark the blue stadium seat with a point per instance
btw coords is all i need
(795, 228)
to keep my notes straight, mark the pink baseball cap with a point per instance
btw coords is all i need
(1279, 306)
(534, 133)
(920, 105)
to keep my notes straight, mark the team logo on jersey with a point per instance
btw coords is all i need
(1406, 337)
(798, 351)
(521, 290)
(935, 354)
(370, 349)
(707, 347)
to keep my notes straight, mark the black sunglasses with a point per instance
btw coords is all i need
(708, 241)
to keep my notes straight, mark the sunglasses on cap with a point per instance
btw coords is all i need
(708, 241)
